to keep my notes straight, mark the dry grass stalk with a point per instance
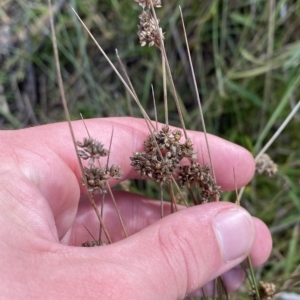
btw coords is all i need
(64, 101)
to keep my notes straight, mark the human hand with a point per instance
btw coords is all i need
(43, 209)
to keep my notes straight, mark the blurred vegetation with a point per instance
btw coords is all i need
(246, 56)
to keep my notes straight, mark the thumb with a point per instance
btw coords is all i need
(183, 251)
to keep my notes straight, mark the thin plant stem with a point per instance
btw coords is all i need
(278, 131)
(192, 196)
(163, 63)
(236, 189)
(89, 232)
(254, 283)
(87, 131)
(274, 137)
(221, 288)
(163, 50)
(173, 199)
(129, 82)
(92, 200)
(125, 73)
(64, 101)
(117, 209)
(109, 149)
(154, 105)
(114, 68)
(60, 82)
(161, 201)
(203, 293)
(270, 49)
(180, 193)
(197, 94)
(101, 213)
(133, 90)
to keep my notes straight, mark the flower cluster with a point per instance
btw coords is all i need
(147, 32)
(147, 3)
(266, 291)
(92, 149)
(162, 155)
(161, 160)
(266, 166)
(202, 178)
(96, 177)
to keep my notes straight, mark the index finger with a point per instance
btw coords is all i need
(129, 135)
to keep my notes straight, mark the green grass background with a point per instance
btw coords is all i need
(246, 56)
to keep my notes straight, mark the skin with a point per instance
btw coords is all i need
(43, 207)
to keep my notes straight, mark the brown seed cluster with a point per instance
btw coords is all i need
(266, 291)
(96, 177)
(163, 153)
(200, 177)
(266, 166)
(147, 3)
(93, 244)
(161, 160)
(147, 32)
(92, 149)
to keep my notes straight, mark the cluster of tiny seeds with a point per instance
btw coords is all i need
(200, 176)
(147, 3)
(92, 149)
(93, 244)
(266, 291)
(94, 176)
(266, 166)
(161, 158)
(163, 152)
(147, 32)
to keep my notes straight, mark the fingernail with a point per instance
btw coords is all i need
(235, 232)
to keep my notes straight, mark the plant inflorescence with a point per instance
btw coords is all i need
(165, 158)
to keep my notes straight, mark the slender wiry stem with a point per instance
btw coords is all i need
(163, 63)
(254, 283)
(91, 197)
(114, 68)
(129, 82)
(147, 120)
(278, 131)
(274, 137)
(87, 131)
(221, 288)
(117, 209)
(237, 201)
(173, 199)
(203, 293)
(64, 101)
(161, 200)
(60, 82)
(270, 50)
(125, 73)
(163, 50)
(197, 94)
(192, 196)
(101, 213)
(180, 193)
(109, 149)
(89, 232)
(154, 105)
(103, 196)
